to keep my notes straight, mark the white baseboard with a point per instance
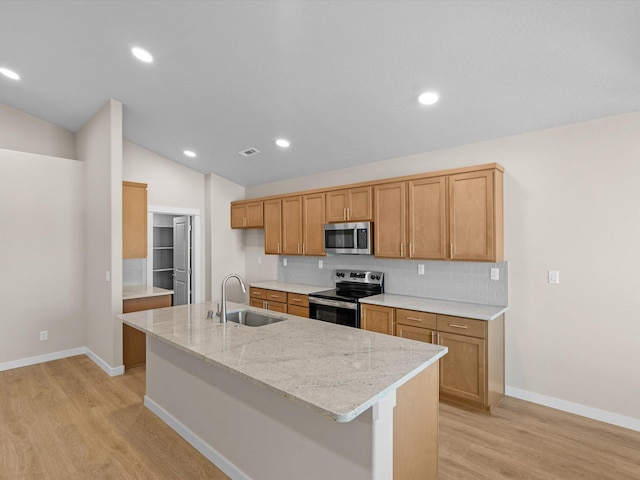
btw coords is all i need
(47, 357)
(25, 362)
(575, 408)
(196, 442)
(111, 371)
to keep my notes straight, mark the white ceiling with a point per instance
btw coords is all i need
(338, 79)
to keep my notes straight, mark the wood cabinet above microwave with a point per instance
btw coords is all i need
(349, 205)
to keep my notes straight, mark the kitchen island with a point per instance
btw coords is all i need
(294, 399)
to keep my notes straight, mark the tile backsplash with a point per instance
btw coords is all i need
(134, 271)
(458, 281)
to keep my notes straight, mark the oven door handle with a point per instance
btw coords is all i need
(333, 303)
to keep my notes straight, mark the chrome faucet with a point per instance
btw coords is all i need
(223, 307)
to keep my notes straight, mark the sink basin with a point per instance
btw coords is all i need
(252, 319)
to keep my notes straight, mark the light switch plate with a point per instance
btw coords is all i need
(320, 264)
(107, 276)
(259, 260)
(421, 269)
(554, 276)
(284, 262)
(495, 274)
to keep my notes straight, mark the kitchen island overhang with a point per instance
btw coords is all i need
(253, 399)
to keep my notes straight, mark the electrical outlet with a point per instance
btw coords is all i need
(320, 264)
(495, 274)
(284, 262)
(108, 276)
(259, 260)
(421, 269)
(44, 335)
(554, 276)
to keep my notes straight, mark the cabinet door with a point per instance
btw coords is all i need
(415, 333)
(273, 226)
(377, 319)
(238, 215)
(254, 215)
(256, 302)
(389, 225)
(292, 226)
(134, 220)
(463, 369)
(471, 216)
(427, 225)
(337, 202)
(277, 307)
(313, 224)
(359, 207)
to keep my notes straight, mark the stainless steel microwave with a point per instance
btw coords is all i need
(349, 238)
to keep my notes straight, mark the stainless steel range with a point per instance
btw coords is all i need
(340, 305)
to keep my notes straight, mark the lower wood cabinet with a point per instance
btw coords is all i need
(472, 372)
(134, 347)
(278, 301)
(378, 319)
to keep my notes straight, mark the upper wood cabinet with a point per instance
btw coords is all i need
(313, 213)
(390, 222)
(302, 225)
(349, 205)
(273, 226)
(476, 216)
(134, 220)
(410, 219)
(247, 215)
(292, 225)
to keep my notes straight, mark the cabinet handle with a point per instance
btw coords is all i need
(257, 294)
(434, 337)
(274, 296)
(296, 300)
(344, 213)
(244, 221)
(451, 250)
(264, 304)
(298, 249)
(348, 213)
(455, 325)
(414, 319)
(402, 250)
(303, 249)
(410, 249)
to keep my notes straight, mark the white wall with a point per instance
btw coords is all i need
(41, 253)
(169, 184)
(225, 247)
(26, 133)
(571, 204)
(99, 145)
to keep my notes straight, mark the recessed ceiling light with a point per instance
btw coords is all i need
(429, 98)
(281, 142)
(9, 73)
(142, 54)
(189, 153)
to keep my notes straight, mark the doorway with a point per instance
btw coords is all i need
(173, 259)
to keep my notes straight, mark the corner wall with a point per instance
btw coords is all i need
(571, 202)
(99, 145)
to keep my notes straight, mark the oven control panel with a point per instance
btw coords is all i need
(359, 276)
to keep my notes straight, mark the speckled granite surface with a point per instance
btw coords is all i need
(338, 371)
(140, 291)
(443, 307)
(298, 288)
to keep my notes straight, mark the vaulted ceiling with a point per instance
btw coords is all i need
(339, 80)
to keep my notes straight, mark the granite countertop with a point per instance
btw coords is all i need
(431, 305)
(336, 370)
(298, 288)
(130, 292)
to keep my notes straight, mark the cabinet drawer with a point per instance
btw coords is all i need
(260, 293)
(298, 300)
(462, 326)
(277, 307)
(416, 333)
(275, 296)
(299, 311)
(415, 318)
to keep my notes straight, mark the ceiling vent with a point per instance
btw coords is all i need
(249, 152)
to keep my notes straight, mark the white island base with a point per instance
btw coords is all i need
(250, 432)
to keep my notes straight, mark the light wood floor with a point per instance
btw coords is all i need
(68, 420)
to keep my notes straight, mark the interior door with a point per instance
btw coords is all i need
(181, 260)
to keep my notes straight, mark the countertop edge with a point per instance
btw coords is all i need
(459, 309)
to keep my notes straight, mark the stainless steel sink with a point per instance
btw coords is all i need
(251, 318)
